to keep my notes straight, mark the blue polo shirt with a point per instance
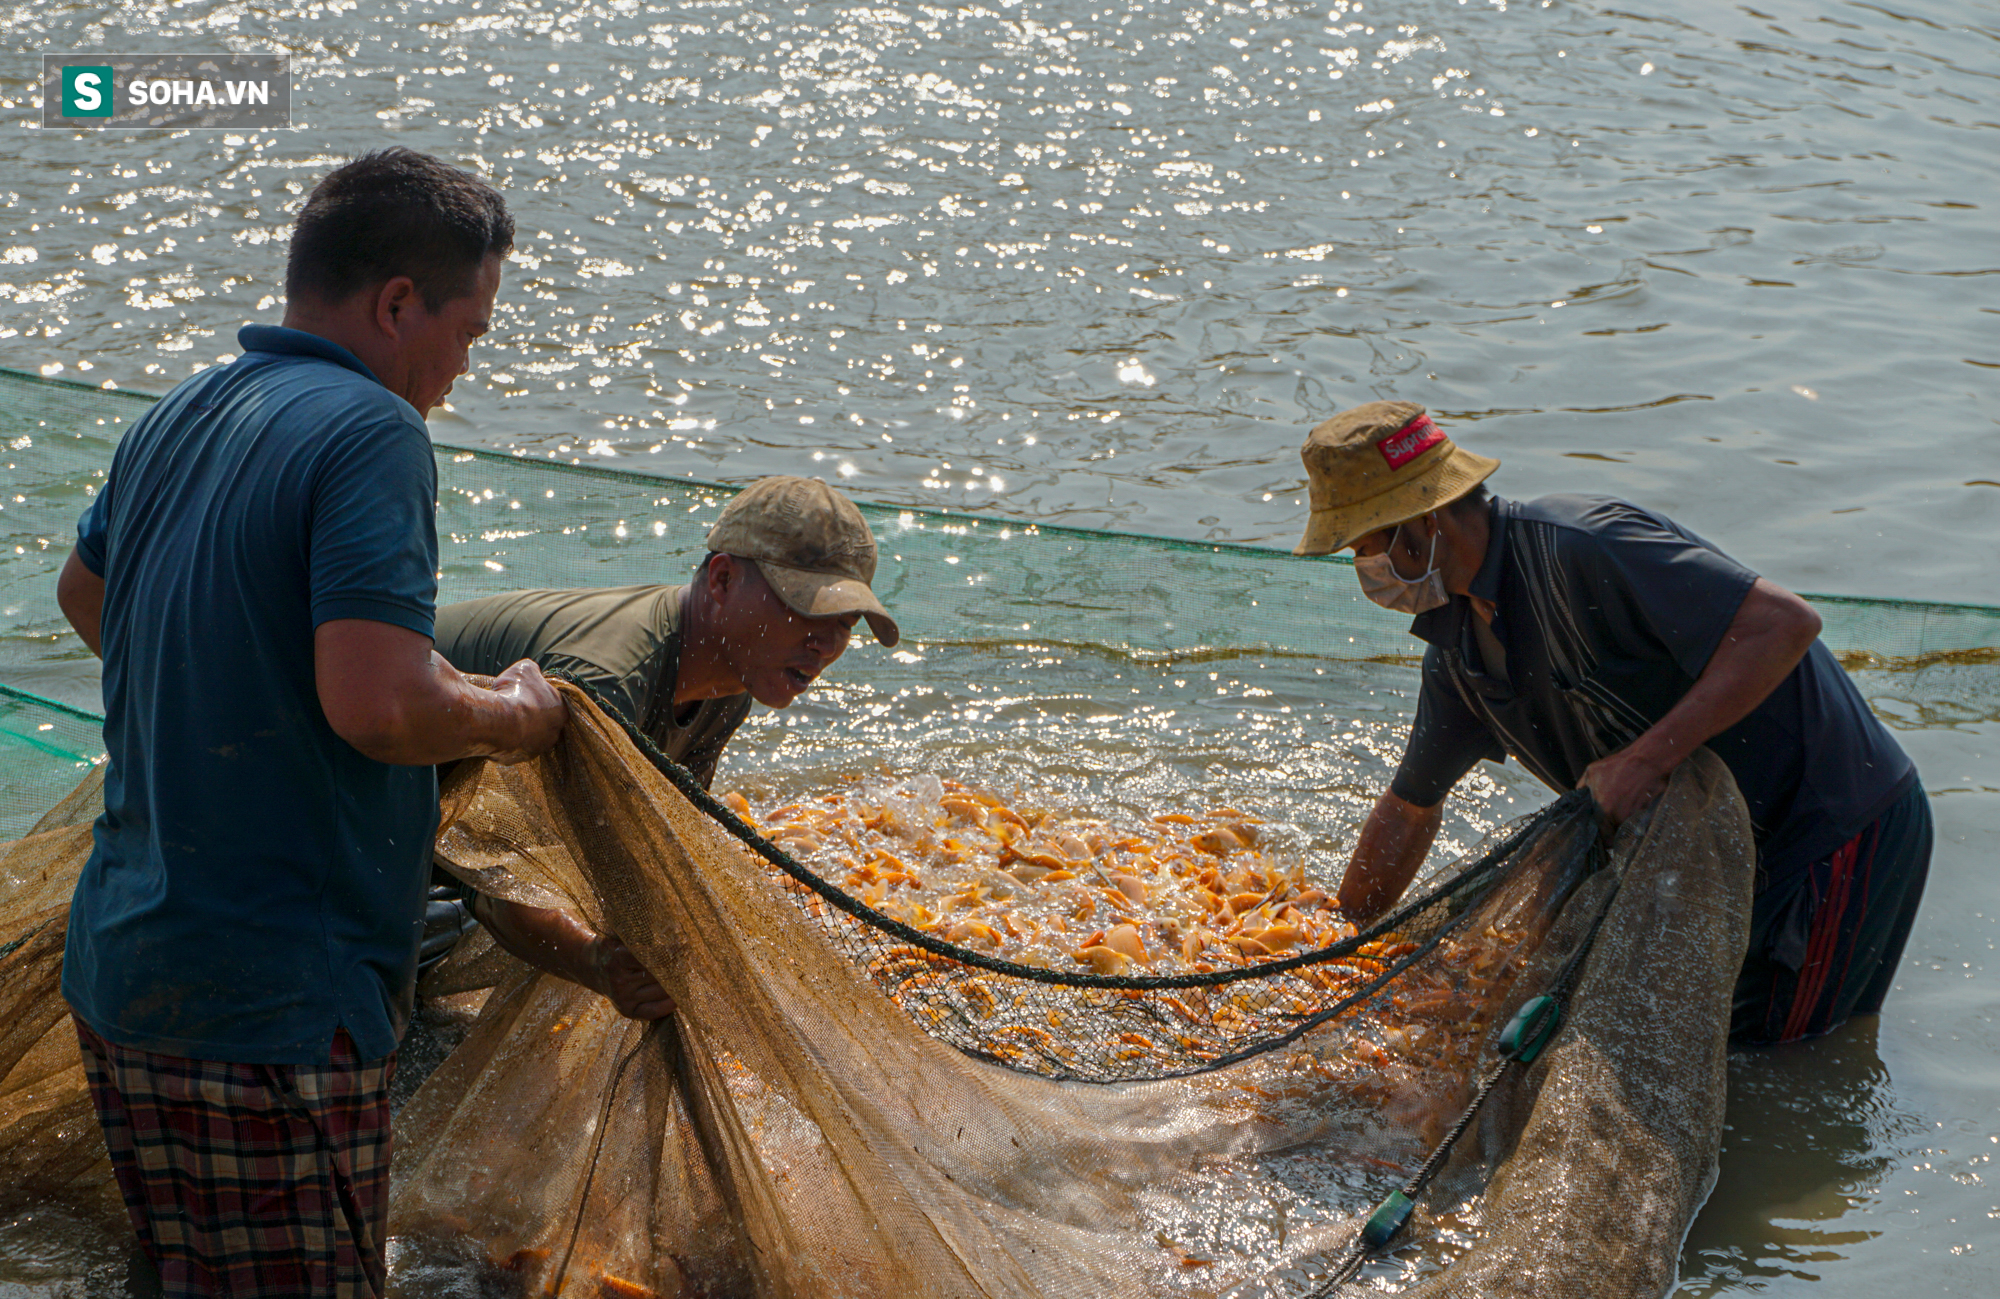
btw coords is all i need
(256, 883)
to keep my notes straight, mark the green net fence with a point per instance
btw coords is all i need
(959, 582)
(45, 748)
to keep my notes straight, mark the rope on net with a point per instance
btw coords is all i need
(1457, 893)
(1518, 1044)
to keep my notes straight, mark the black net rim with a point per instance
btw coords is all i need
(1454, 891)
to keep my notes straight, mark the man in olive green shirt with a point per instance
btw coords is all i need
(772, 606)
(624, 643)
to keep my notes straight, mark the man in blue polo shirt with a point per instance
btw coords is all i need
(1599, 644)
(258, 574)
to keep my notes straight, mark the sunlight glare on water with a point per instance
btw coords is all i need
(1105, 263)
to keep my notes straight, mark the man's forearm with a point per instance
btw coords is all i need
(1772, 630)
(545, 937)
(456, 717)
(389, 694)
(565, 946)
(441, 717)
(1390, 851)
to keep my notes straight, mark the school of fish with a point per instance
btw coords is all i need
(1168, 893)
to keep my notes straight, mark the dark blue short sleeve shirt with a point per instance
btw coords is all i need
(1607, 614)
(257, 883)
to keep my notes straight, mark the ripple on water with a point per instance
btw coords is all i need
(1105, 263)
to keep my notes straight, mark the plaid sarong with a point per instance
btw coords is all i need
(250, 1180)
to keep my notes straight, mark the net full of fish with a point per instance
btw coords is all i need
(827, 1081)
(1128, 893)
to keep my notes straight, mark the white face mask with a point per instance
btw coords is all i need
(1381, 582)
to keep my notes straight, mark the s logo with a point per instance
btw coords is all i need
(87, 91)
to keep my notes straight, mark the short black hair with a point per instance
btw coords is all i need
(1476, 497)
(396, 212)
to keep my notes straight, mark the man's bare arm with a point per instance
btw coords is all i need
(387, 693)
(1394, 841)
(556, 941)
(80, 595)
(1771, 632)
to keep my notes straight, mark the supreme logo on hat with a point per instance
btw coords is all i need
(1410, 441)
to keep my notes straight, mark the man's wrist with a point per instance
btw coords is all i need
(596, 974)
(1658, 751)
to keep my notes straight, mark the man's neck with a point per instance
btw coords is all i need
(1465, 536)
(703, 673)
(347, 325)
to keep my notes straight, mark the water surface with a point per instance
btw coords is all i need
(1106, 263)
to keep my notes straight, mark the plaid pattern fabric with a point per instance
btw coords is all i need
(1826, 948)
(250, 1180)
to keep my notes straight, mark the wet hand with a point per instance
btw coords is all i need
(1624, 785)
(629, 985)
(541, 711)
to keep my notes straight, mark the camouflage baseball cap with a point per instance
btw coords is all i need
(812, 546)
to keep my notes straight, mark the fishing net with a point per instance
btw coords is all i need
(794, 1130)
(801, 1127)
(45, 749)
(49, 1141)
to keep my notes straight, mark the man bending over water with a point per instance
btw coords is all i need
(770, 608)
(1599, 644)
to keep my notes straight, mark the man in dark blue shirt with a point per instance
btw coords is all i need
(258, 574)
(1599, 644)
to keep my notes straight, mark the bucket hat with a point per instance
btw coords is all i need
(1379, 465)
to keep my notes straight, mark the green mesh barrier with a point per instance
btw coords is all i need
(45, 748)
(973, 578)
(1904, 633)
(510, 521)
(949, 578)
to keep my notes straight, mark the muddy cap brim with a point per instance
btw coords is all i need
(829, 595)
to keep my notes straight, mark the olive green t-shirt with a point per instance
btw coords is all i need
(624, 642)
